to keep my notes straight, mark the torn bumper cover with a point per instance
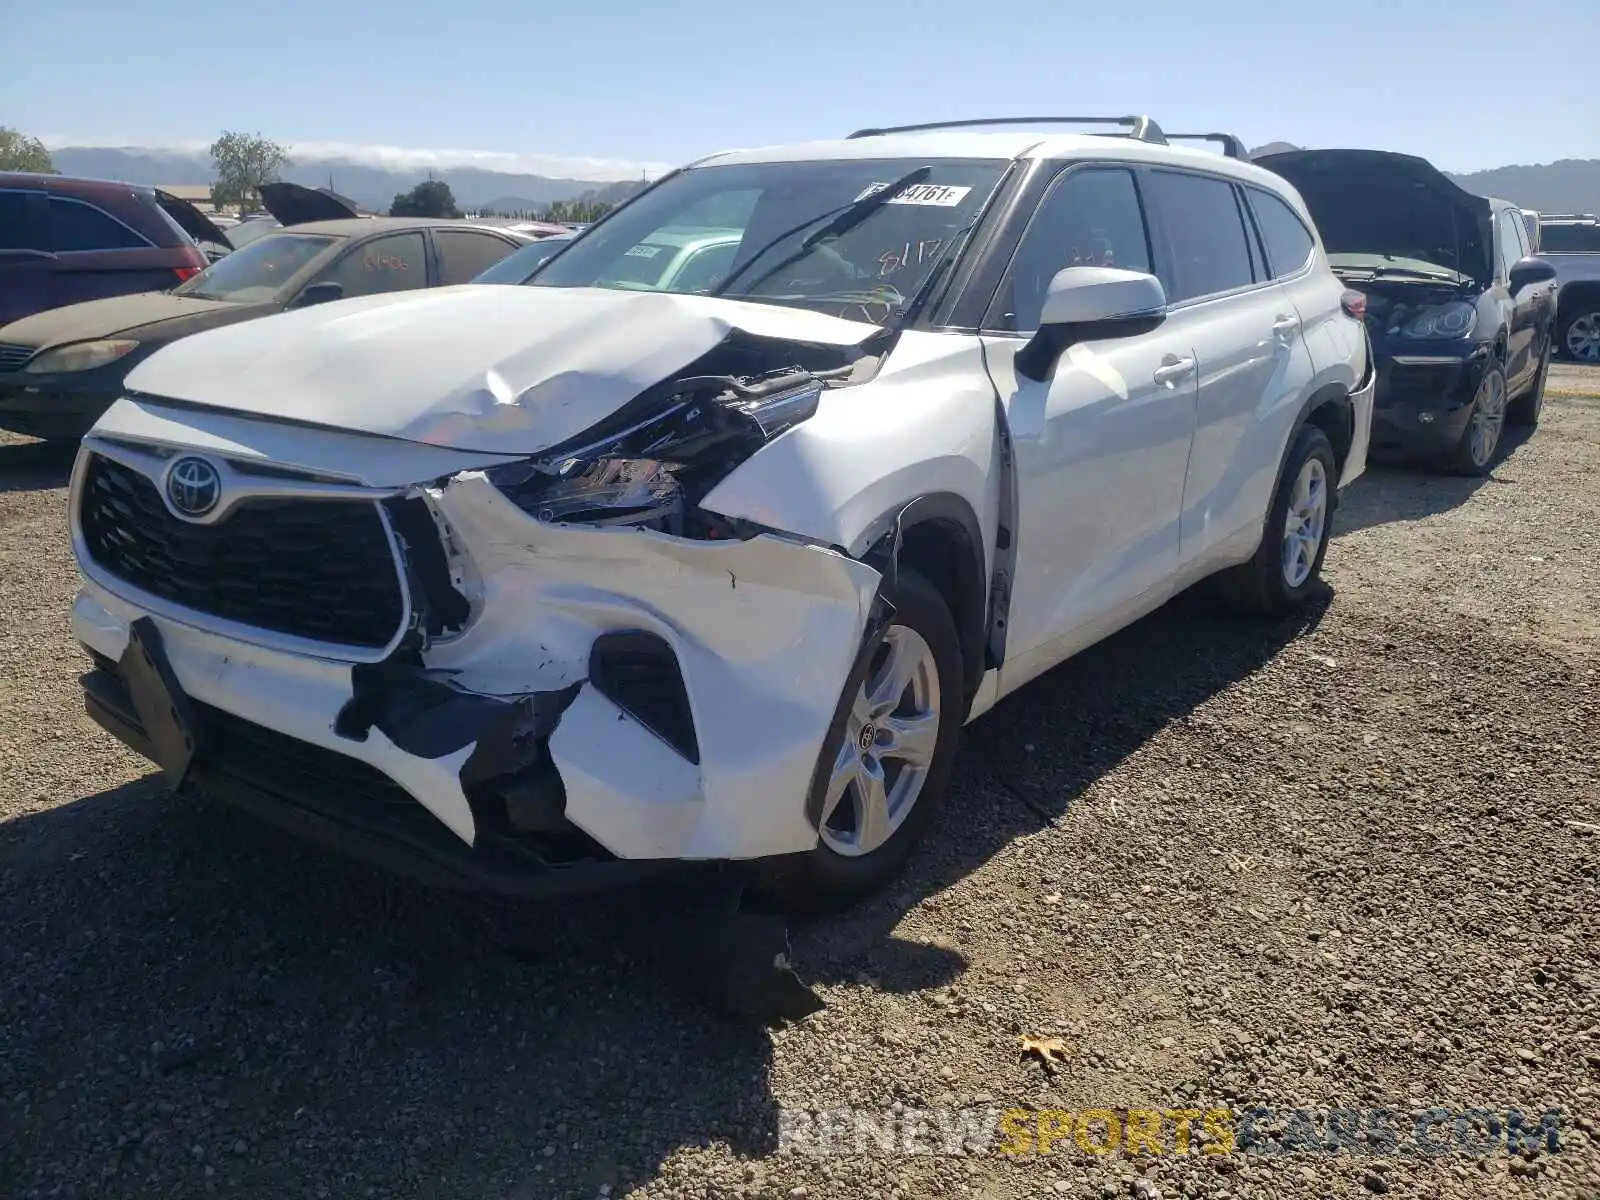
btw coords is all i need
(624, 701)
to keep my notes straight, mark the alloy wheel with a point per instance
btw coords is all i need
(887, 750)
(1583, 338)
(1305, 523)
(1488, 417)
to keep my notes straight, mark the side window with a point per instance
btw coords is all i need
(702, 268)
(76, 225)
(1206, 230)
(392, 263)
(463, 255)
(1089, 218)
(1289, 242)
(18, 228)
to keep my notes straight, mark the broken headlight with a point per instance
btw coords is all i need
(654, 472)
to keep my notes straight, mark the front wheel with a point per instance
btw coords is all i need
(1579, 334)
(1283, 574)
(886, 762)
(1474, 453)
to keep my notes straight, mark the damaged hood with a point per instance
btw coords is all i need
(1373, 202)
(495, 370)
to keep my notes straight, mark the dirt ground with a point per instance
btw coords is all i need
(1346, 861)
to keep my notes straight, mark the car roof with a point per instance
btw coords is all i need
(685, 237)
(357, 226)
(1025, 145)
(70, 185)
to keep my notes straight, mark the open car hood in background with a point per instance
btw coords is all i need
(294, 204)
(190, 219)
(1378, 202)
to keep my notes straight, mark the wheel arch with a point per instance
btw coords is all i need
(938, 535)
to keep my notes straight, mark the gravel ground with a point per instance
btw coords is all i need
(1345, 861)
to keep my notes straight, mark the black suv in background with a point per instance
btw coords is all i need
(1570, 242)
(1460, 314)
(65, 240)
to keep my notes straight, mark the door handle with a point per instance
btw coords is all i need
(1172, 369)
(1284, 326)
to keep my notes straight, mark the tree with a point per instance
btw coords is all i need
(243, 162)
(575, 212)
(430, 198)
(19, 152)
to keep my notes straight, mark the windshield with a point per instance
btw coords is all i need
(822, 235)
(516, 267)
(255, 272)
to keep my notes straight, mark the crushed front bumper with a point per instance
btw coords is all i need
(1424, 402)
(620, 701)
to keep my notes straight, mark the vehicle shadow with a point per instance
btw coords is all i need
(35, 466)
(181, 976)
(1025, 764)
(1394, 491)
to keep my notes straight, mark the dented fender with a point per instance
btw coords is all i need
(765, 631)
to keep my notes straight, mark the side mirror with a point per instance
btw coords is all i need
(318, 293)
(1530, 270)
(1084, 303)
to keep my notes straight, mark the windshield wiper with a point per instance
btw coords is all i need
(843, 219)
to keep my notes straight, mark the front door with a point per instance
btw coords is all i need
(1101, 446)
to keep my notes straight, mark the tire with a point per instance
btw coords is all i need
(1475, 453)
(1523, 412)
(1266, 585)
(838, 872)
(1578, 332)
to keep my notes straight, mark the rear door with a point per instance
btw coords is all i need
(464, 254)
(27, 264)
(1252, 361)
(1102, 443)
(99, 255)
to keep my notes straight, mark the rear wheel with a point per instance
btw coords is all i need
(1283, 573)
(886, 763)
(1474, 453)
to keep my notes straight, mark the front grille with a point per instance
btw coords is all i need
(318, 569)
(277, 763)
(13, 356)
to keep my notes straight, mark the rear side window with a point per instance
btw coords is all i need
(463, 255)
(1288, 241)
(18, 229)
(392, 263)
(1210, 252)
(76, 225)
(1089, 218)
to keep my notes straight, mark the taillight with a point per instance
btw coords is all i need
(186, 273)
(1354, 304)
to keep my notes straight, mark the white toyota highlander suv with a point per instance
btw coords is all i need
(548, 587)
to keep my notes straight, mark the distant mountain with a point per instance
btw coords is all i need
(371, 187)
(1567, 185)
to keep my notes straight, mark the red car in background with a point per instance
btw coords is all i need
(65, 240)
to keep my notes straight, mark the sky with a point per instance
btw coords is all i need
(640, 84)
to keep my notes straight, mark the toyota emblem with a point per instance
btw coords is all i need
(193, 487)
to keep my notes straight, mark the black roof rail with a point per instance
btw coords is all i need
(1232, 147)
(1140, 128)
